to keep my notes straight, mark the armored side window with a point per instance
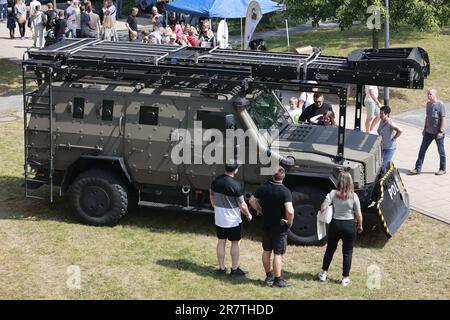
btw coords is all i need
(215, 120)
(107, 110)
(149, 115)
(78, 108)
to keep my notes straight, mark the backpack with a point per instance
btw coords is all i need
(50, 17)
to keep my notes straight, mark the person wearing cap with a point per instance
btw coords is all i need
(227, 198)
(274, 201)
(173, 39)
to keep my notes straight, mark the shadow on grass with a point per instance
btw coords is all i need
(15, 206)
(204, 271)
(304, 276)
(307, 276)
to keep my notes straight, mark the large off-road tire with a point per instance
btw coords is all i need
(98, 197)
(306, 201)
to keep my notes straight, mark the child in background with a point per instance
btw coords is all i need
(294, 110)
(11, 24)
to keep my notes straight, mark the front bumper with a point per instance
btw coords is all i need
(387, 200)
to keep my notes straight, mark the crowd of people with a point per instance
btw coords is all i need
(311, 108)
(172, 30)
(275, 202)
(80, 19)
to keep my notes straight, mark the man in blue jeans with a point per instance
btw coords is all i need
(118, 9)
(434, 130)
(3, 10)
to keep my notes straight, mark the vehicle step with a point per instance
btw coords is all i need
(38, 105)
(31, 94)
(36, 197)
(175, 207)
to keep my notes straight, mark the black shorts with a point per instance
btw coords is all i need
(275, 241)
(232, 234)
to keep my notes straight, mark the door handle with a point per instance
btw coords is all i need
(120, 126)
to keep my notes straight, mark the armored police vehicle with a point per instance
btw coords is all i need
(106, 118)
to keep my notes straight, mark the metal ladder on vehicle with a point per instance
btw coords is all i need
(38, 103)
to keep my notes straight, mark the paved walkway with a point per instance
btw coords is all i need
(429, 193)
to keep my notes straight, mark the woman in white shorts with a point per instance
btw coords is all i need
(372, 107)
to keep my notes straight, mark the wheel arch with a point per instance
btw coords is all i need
(314, 183)
(326, 182)
(87, 162)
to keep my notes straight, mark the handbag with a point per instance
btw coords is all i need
(21, 18)
(327, 215)
(323, 218)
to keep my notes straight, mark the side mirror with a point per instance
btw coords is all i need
(241, 102)
(279, 95)
(230, 121)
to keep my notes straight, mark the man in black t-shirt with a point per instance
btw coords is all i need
(274, 201)
(131, 23)
(318, 107)
(60, 27)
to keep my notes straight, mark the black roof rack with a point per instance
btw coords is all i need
(397, 67)
(247, 70)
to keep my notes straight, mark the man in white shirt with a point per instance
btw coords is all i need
(306, 98)
(109, 9)
(373, 106)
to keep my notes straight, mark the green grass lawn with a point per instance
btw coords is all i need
(10, 77)
(341, 43)
(170, 255)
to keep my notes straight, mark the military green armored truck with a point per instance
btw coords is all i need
(109, 118)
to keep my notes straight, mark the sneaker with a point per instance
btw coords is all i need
(346, 282)
(414, 172)
(238, 272)
(440, 172)
(322, 276)
(221, 272)
(281, 283)
(269, 279)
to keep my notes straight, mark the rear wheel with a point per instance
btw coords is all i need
(98, 197)
(306, 201)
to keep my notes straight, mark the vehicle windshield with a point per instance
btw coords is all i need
(268, 113)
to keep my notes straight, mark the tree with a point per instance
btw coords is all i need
(422, 15)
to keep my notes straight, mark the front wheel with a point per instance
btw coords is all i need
(306, 202)
(98, 197)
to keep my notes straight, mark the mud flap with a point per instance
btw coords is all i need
(393, 205)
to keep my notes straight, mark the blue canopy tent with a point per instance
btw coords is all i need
(223, 8)
(220, 8)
